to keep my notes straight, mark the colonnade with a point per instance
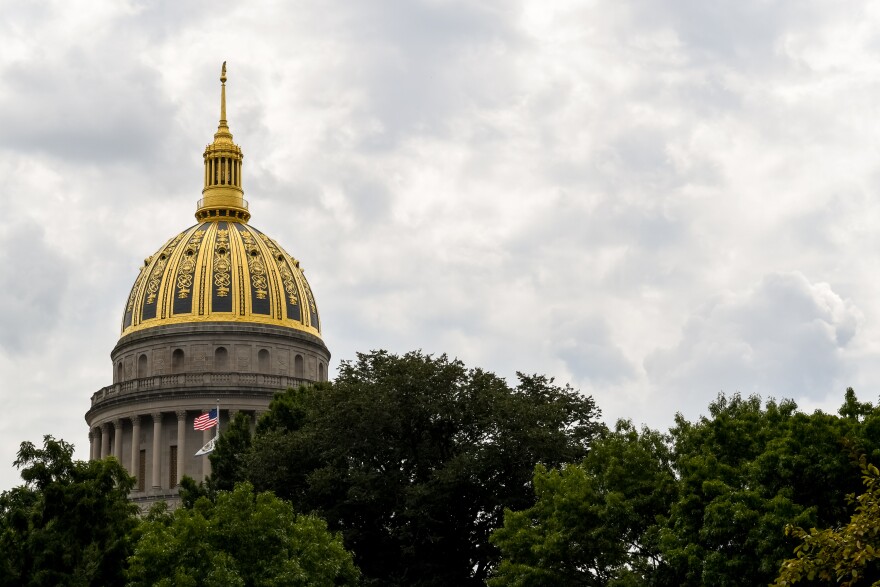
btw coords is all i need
(109, 438)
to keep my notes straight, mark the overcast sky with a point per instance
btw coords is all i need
(652, 201)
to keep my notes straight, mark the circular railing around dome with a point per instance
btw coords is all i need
(200, 380)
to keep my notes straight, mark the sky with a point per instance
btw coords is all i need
(654, 202)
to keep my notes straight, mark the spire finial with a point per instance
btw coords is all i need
(223, 95)
(222, 195)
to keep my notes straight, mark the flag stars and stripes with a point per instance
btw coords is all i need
(206, 421)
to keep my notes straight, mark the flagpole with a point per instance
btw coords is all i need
(209, 447)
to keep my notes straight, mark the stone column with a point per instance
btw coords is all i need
(105, 440)
(157, 450)
(117, 439)
(135, 444)
(91, 445)
(181, 445)
(97, 431)
(206, 462)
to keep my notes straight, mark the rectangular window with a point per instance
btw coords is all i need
(172, 468)
(142, 470)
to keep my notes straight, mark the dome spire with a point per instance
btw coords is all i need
(222, 195)
(223, 95)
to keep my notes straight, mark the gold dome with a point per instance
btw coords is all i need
(222, 269)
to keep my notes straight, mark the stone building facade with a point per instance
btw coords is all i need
(220, 314)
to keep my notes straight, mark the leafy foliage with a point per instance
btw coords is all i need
(229, 452)
(414, 459)
(241, 539)
(847, 556)
(69, 524)
(745, 473)
(596, 523)
(714, 503)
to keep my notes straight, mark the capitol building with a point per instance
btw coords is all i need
(220, 313)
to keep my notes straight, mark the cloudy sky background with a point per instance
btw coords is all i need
(652, 201)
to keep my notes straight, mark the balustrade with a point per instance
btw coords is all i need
(197, 380)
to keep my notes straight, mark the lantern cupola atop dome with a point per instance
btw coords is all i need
(222, 196)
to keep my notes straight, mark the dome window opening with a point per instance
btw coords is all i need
(142, 366)
(298, 366)
(119, 372)
(221, 359)
(177, 358)
(263, 361)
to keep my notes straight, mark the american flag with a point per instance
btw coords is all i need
(206, 420)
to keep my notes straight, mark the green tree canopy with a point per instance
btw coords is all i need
(69, 524)
(846, 556)
(746, 471)
(414, 459)
(714, 503)
(239, 539)
(596, 523)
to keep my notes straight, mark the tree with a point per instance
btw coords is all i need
(708, 509)
(595, 523)
(847, 556)
(69, 524)
(241, 539)
(229, 452)
(746, 471)
(414, 459)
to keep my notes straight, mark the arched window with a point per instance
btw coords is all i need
(119, 372)
(221, 359)
(320, 371)
(177, 361)
(263, 360)
(142, 366)
(298, 366)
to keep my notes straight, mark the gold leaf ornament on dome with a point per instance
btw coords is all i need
(130, 305)
(156, 274)
(289, 285)
(256, 266)
(312, 305)
(188, 265)
(222, 265)
(286, 275)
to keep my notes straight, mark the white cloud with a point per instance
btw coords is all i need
(784, 337)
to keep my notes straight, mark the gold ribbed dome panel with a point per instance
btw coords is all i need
(221, 271)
